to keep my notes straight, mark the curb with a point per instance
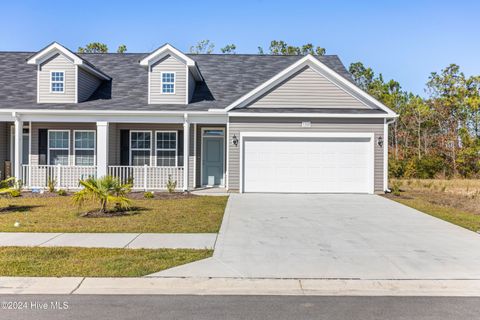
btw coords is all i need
(238, 286)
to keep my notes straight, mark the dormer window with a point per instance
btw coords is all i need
(168, 82)
(57, 81)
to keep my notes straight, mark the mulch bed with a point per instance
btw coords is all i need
(162, 195)
(46, 194)
(132, 195)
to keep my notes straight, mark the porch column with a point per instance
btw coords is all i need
(102, 148)
(18, 148)
(186, 147)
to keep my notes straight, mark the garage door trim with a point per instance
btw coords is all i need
(246, 135)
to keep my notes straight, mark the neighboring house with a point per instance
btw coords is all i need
(249, 123)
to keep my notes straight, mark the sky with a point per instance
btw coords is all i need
(404, 40)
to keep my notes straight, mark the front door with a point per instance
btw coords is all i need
(213, 157)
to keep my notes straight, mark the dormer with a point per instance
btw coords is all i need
(171, 76)
(63, 76)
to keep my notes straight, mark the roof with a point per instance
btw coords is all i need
(227, 78)
(54, 48)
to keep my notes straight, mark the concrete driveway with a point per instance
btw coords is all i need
(335, 236)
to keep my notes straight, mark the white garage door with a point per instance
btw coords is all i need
(336, 165)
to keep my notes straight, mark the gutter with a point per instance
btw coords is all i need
(107, 112)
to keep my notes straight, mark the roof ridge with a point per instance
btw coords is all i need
(189, 54)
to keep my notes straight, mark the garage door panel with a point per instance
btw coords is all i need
(308, 165)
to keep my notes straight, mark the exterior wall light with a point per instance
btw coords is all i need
(380, 141)
(235, 140)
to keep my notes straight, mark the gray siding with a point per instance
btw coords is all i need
(168, 64)
(113, 144)
(307, 89)
(56, 126)
(191, 86)
(87, 84)
(238, 125)
(3, 148)
(57, 63)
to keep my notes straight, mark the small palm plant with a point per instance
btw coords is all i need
(105, 191)
(8, 187)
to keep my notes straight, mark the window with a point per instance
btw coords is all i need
(58, 146)
(213, 132)
(168, 82)
(84, 148)
(140, 146)
(166, 148)
(57, 81)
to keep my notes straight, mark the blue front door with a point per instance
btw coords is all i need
(212, 158)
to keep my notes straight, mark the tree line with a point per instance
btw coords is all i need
(435, 136)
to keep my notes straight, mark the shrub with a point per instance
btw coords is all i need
(10, 187)
(428, 166)
(51, 183)
(171, 184)
(62, 192)
(148, 195)
(15, 193)
(396, 168)
(396, 188)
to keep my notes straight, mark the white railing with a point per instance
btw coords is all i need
(67, 177)
(148, 178)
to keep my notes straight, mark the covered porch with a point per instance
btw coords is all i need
(148, 152)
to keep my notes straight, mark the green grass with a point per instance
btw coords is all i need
(453, 215)
(92, 262)
(194, 214)
(456, 201)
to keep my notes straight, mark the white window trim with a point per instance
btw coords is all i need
(49, 148)
(167, 149)
(62, 82)
(80, 149)
(140, 149)
(174, 82)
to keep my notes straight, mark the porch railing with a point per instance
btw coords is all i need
(146, 177)
(67, 177)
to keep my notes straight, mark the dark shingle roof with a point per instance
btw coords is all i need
(227, 78)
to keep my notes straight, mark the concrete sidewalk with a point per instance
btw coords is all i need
(110, 240)
(235, 286)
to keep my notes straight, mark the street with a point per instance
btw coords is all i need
(53, 307)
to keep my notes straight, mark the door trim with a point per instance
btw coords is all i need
(201, 154)
(371, 151)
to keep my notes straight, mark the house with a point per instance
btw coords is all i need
(249, 123)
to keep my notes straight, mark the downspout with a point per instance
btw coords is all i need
(385, 154)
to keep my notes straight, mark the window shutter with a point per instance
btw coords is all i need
(42, 146)
(180, 148)
(124, 147)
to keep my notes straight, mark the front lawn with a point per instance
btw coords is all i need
(455, 201)
(91, 262)
(196, 214)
